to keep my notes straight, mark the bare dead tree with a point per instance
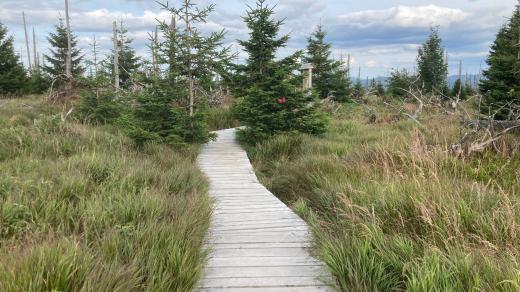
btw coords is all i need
(68, 62)
(94, 53)
(36, 61)
(419, 97)
(154, 47)
(116, 56)
(484, 133)
(472, 142)
(27, 42)
(348, 66)
(187, 20)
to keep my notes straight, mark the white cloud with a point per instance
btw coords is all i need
(383, 37)
(372, 64)
(405, 16)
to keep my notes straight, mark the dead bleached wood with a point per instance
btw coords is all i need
(497, 125)
(420, 105)
(68, 61)
(36, 62)
(27, 42)
(116, 57)
(94, 52)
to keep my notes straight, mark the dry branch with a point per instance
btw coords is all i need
(496, 125)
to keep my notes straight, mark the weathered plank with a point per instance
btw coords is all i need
(256, 242)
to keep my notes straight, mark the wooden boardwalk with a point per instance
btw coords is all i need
(257, 243)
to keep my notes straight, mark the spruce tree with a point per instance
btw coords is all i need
(328, 76)
(459, 90)
(272, 102)
(38, 82)
(128, 61)
(358, 91)
(378, 88)
(12, 74)
(501, 83)
(58, 53)
(399, 82)
(341, 84)
(432, 67)
(173, 110)
(470, 91)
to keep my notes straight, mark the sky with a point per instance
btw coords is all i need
(379, 35)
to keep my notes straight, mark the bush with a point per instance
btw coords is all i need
(399, 82)
(100, 107)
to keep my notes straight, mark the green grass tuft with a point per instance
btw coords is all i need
(82, 209)
(393, 210)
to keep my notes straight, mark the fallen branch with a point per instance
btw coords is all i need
(498, 125)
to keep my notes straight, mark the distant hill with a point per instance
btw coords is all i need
(451, 79)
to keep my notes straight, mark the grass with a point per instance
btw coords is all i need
(82, 209)
(219, 118)
(393, 210)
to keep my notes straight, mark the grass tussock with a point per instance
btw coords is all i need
(393, 210)
(219, 118)
(82, 209)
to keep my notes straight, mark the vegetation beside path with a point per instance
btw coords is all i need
(393, 209)
(82, 209)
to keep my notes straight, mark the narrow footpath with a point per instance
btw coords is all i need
(257, 243)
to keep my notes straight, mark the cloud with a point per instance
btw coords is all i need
(376, 39)
(405, 17)
(372, 64)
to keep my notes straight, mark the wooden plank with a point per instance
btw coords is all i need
(256, 242)
(261, 282)
(251, 272)
(262, 230)
(266, 223)
(244, 245)
(262, 227)
(263, 261)
(250, 218)
(232, 238)
(313, 288)
(255, 252)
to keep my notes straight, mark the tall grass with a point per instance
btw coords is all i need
(392, 210)
(81, 209)
(221, 118)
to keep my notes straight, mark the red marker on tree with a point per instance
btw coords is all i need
(282, 100)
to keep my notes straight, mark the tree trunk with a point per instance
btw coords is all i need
(68, 62)
(497, 125)
(94, 45)
(116, 58)
(36, 61)
(155, 45)
(190, 73)
(348, 67)
(27, 42)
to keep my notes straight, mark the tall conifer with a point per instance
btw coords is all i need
(329, 78)
(272, 103)
(432, 67)
(12, 73)
(501, 83)
(173, 109)
(56, 60)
